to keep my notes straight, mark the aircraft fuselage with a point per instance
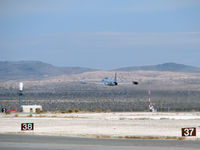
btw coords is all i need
(109, 82)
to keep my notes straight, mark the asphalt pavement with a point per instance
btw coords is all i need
(36, 142)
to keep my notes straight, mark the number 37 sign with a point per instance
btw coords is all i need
(188, 132)
(27, 126)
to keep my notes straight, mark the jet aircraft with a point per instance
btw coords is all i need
(109, 82)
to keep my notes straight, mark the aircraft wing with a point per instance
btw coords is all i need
(128, 83)
(88, 82)
(95, 83)
(124, 83)
(102, 83)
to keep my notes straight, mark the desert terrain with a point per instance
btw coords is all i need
(170, 91)
(104, 125)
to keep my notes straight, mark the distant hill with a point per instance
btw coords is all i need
(172, 67)
(38, 70)
(34, 70)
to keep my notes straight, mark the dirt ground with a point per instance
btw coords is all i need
(107, 125)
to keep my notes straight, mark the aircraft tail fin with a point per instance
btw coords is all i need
(115, 79)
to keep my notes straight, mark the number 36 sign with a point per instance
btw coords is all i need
(27, 126)
(188, 132)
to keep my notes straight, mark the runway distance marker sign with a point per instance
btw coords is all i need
(188, 132)
(27, 126)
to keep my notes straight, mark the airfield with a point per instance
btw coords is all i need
(129, 125)
(121, 109)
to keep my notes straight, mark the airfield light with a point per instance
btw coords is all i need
(21, 86)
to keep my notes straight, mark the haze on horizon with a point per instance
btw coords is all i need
(100, 34)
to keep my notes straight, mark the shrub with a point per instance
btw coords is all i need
(8, 112)
(85, 110)
(97, 110)
(16, 115)
(38, 111)
(69, 111)
(30, 115)
(130, 110)
(108, 110)
(76, 110)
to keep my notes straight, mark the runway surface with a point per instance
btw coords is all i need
(33, 142)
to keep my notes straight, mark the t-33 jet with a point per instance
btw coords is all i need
(110, 82)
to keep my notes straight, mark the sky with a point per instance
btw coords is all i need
(101, 34)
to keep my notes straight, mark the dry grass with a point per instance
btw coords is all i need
(16, 115)
(155, 137)
(140, 137)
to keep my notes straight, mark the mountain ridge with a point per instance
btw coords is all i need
(171, 67)
(12, 70)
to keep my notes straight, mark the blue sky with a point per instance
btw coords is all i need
(102, 34)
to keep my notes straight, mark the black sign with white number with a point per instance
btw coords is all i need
(188, 132)
(27, 126)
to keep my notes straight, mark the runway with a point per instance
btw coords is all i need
(33, 142)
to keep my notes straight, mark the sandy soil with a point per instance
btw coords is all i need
(129, 125)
